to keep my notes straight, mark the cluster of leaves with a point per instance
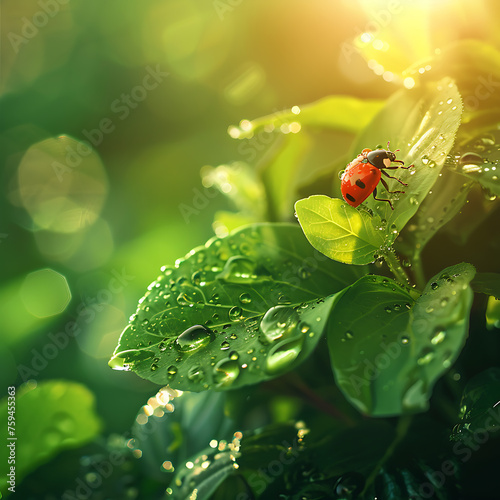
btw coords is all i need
(272, 297)
(291, 338)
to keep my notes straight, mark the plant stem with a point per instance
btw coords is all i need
(395, 266)
(418, 271)
(312, 398)
(401, 430)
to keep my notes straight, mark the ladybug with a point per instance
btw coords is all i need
(361, 176)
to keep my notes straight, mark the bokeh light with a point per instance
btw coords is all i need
(45, 293)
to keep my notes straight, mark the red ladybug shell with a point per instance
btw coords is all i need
(359, 181)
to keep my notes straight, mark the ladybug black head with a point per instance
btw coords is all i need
(391, 155)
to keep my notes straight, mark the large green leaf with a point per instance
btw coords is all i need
(444, 201)
(475, 67)
(422, 123)
(48, 417)
(338, 230)
(236, 311)
(480, 406)
(388, 347)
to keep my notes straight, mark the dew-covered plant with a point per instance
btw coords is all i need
(335, 357)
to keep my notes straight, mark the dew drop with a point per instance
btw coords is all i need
(235, 313)
(171, 371)
(278, 322)
(426, 356)
(226, 372)
(304, 273)
(238, 269)
(405, 340)
(387, 309)
(438, 337)
(283, 354)
(183, 299)
(195, 374)
(245, 298)
(233, 355)
(224, 346)
(434, 285)
(193, 338)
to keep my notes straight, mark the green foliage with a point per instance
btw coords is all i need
(338, 230)
(327, 129)
(237, 311)
(282, 308)
(479, 407)
(388, 345)
(62, 413)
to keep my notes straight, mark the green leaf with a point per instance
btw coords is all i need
(338, 230)
(306, 144)
(478, 160)
(49, 417)
(422, 123)
(240, 184)
(475, 67)
(448, 196)
(206, 473)
(239, 310)
(488, 283)
(388, 347)
(480, 405)
(332, 112)
(186, 424)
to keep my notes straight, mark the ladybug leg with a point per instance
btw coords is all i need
(381, 199)
(399, 166)
(391, 177)
(384, 183)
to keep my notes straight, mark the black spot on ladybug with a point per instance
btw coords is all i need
(350, 198)
(360, 184)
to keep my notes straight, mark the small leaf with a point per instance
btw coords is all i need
(302, 144)
(239, 310)
(480, 405)
(333, 112)
(488, 283)
(49, 417)
(338, 230)
(388, 347)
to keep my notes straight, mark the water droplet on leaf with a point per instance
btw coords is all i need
(193, 338)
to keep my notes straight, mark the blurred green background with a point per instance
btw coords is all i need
(73, 218)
